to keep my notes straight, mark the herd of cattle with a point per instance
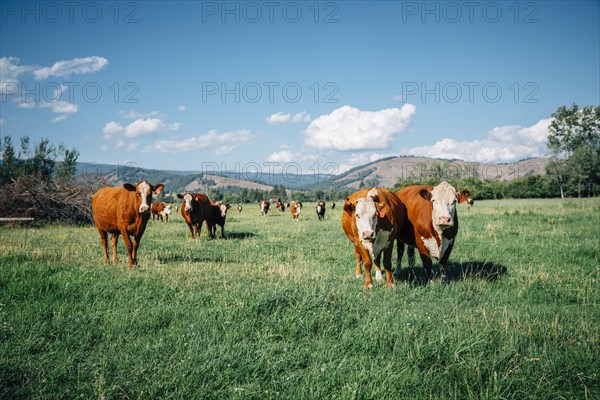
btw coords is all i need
(419, 216)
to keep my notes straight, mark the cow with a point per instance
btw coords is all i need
(465, 196)
(217, 215)
(239, 208)
(295, 208)
(265, 205)
(123, 211)
(431, 224)
(279, 205)
(332, 205)
(160, 210)
(371, 220)
(321, 210)
(195, 209)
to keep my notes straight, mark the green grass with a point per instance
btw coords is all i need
(274, 312)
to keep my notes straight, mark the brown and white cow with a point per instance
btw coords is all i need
(332, 205)
(431, 225)
(280, 206)
(123, 211)
(321, 210)
(465, 196)
(295, 208)
(195, 209)
(161, 210)
(217, 215)
(265, 205)
(371, 220)
(239, 208)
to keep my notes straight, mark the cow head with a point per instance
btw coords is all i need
(367, 212)
(464, 195)
(143, 190)
(167, 209)
(223, 208)
(188, 198)
(443, 198)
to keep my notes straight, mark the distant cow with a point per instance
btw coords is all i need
(265, 205)
(195, 209)
(217, 216)
(321, 210)
(239, 207)
(332, 205)
(280, 206)
(431, 225)
(371, 220)
(160, 210)
(123, 211)
(465, 196)
(295, 208)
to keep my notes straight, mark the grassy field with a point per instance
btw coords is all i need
(274, 312)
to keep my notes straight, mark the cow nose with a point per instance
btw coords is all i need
(444, 221)
(188, 208)
(143, 208)
(368, 235)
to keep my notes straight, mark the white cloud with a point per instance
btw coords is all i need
(281, 118)
(60, 106)
(139, 127)
(9, 74)
(58, 119)
(221, 143)
(181, 107)
(502, 144)
(69, 67)
(288, 156)
(131, 114)
(348, 128)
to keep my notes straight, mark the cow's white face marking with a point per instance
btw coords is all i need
(443, 198)
(187, 198)
(223, 209)
(366, 221)
(144, 190)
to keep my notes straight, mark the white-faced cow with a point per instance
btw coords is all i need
(218, 213)
(295, 208)
(123, 211)
(195, 209)
(239, 208)
(265, 205)
(465, 196)
(371, 220)
(431, 225)
(161, 210)
(321, 210)
(332, 205)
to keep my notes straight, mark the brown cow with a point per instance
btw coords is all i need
(321, 210)
(265, 205)
(431, 225)
(239, 208)
(123, 211)
(332, 205)
(160, 210)
(195, 209)
(464, 195)
(295, 208)
(218, 213)
(371, 220)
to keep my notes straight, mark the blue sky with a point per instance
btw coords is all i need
(297, 86)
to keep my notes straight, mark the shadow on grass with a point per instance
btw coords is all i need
(238, 235)
(470, 270)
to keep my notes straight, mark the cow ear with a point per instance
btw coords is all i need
(426, 194)
(197, 197)
(179, 196)
(348, 207)
(158, 188)
(129, 186)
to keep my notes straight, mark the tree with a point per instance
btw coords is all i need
(9, 165)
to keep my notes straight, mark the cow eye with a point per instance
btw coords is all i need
(357, 216)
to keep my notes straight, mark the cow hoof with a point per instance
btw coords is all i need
(369, 286)
(359, 275)
(378, 276)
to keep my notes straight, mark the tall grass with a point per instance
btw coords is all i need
(274, 312)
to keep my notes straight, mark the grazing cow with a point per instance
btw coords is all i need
(217, 215)
(371, 220)
(431, 225)
(295, 208)
(321, 210)
(239, 208)
(195, 209)
(123, 211)
(160, 210)
(332, 205)
(279, 205)
(464, 195)
(265, 205)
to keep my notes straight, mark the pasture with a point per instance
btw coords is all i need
(274, 312)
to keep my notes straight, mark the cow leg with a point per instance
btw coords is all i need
(114, 240)
(378, 276)
(103, 237)
(387, 264)
(167, 218)
(129, 247)
(223, 231)
(400, 253)
(444, 262)
(427, 266)
(359, 273)
(411, 257)
(192, 229)
(368, 281)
